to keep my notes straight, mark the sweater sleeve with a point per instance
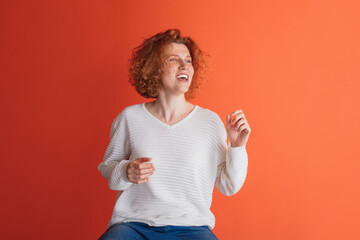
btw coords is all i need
(232, 170)
(113, 166)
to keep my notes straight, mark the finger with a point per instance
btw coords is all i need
(237, 117)
(142, 181)
(136, 163)
(243, 128)
(134, 178)
(228, 121)
(145, 171)
(239, 124)
(236, 112)
(138, 172)
(145, 165)
(144, 159)
(142, 177)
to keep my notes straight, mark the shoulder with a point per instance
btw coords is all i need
(211, 120)
(127, 113)
(132, 109)
(210, 115)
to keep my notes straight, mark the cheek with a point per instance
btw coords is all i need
(192, 71)
(170, 70)
(166, 72)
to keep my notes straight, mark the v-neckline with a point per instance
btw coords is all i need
(172, 125)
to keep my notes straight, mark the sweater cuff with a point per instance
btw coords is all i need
(119, 172)
(237, 154)
(229, 145)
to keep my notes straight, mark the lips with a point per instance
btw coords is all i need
(183, 77)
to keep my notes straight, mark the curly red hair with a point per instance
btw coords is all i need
(147, 59)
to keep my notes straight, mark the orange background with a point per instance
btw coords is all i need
(292, 66)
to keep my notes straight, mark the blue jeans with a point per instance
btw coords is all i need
(142, 231)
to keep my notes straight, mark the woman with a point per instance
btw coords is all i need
(165, 156)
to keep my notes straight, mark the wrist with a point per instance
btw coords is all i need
(232, 144)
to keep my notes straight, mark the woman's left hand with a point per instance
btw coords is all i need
(238, 129)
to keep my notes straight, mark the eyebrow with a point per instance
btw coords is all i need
(177, 55)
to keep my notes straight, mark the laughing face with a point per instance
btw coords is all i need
(177, 70)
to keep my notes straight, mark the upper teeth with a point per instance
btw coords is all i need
(182, 76)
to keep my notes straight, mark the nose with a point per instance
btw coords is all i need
(182, 64)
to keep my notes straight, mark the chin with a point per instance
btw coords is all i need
(182, 92)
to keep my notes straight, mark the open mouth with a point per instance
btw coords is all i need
(182, 77)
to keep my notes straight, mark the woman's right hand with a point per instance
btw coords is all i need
(139, 170)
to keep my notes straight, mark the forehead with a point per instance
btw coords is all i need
(176, 49)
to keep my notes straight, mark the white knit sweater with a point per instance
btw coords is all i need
(189, 158)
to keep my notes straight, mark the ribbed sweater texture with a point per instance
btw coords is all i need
(189, 157)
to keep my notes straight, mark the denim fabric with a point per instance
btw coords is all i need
(142, 231)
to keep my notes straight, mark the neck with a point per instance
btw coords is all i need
(170, 109)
